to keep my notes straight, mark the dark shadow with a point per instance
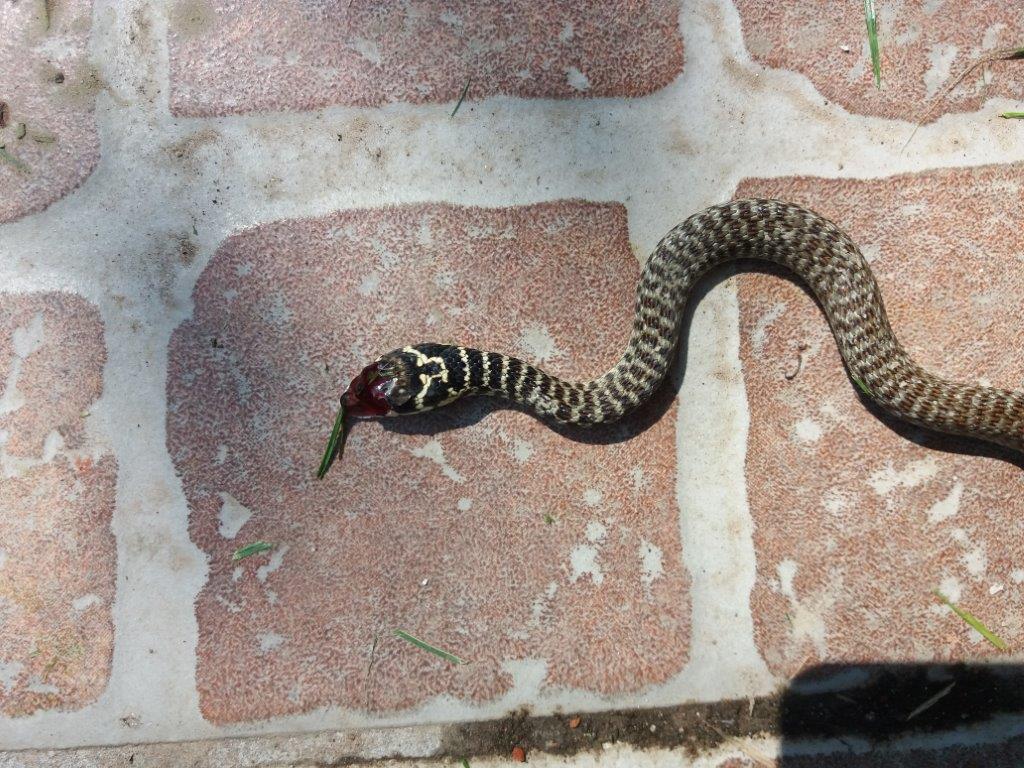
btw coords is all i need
(467, 412)
(904, 715)
(471, 410)
(830, 716)
(937, 441)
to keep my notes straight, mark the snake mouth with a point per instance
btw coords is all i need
(367, 395)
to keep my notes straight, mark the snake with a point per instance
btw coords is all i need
(425, 376)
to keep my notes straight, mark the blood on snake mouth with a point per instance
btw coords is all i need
(367, 395)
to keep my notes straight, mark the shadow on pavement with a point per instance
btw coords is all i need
(913, 715)
(833, 716)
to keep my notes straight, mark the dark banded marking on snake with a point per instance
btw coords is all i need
(424, 376)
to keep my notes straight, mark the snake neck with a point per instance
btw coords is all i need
(821, 256)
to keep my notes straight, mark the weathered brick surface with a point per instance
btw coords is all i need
(57, 553)
(856, 524)
(434, 524)
(924, 46)
(47, 103)
(246, 56)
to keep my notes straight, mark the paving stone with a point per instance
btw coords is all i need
(299, 54)
(476, 528)
(857, 518)
(57, 553)
(924, 45)
(47, 103)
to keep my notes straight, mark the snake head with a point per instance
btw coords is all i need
(408, 380)
(381, 388)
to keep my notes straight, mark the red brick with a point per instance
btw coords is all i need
(923, 45)
(298, 55)
(57, 552)
(862, 521)
(48, 89)
(433, 524)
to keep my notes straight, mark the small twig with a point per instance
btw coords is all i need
(756, 755)
(373, 652)
(931, 702)
(799, 363)
(369, 667)
(462, 97)
(1003, 54)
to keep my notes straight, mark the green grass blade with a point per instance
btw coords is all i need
(1012, 115)
(871, 19)
(252, 549)
(336, 443)
(974, 622)
(861, 386)
(422, 645)
(465, 763)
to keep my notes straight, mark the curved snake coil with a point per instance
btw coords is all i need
(425, 376)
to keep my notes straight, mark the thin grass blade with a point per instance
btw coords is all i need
(336, 443)
(861, 386)
(974, 622)
(871, 20)
(1012, 115)
(252, 549)
(425, 646)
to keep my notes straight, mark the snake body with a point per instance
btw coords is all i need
(426, 376)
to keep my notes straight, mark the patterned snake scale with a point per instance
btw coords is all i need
(426, 376)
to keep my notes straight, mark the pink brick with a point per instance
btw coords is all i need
(298, 55)
(434, 524)
(57, 553)
(923, 45)
(47, 100)
(855, 523)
